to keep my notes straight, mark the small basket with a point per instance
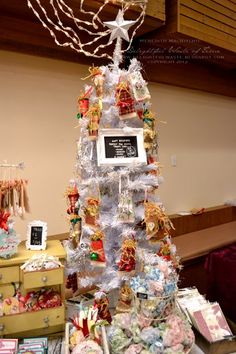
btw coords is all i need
(153, 307)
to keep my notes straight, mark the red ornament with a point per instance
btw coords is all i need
(96, 246)
(127, 260)
(83, 104)
(73, 197)
(125, 101)
(3, 220)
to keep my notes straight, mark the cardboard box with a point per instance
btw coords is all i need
(225, 346)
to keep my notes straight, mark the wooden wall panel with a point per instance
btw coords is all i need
(229, 4)
(156, 9)
(207, 24)
(209, 21)
(202, 8)
(218, 7)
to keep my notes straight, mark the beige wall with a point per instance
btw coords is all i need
(38, 108)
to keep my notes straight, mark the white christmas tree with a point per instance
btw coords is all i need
(119, 231)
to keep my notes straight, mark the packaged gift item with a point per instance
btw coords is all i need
(158, 225)
(139, 87)
(8, 345)
(129, 335)
(94, 115)
(97, 253)
(125, 101)
(101, 303)
(127, 258)
(149, 129)
(41, 262)
(91, 211)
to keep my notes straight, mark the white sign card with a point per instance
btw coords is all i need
(36, 235)
(120, 147)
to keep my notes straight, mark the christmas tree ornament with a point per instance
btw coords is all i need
(91, 211)
(83, 106)
(94, 256)
(75, 232)
(94, 115)
(139, 87)
(167, 250)
(3, 220)
(149, 130)
(154, 165)
(83, 102)
(125, 210)
(125, 299)
(97, 253)
(72, 195)
(101, 303)
(125, 101)
(158, 225)
(127, 259)
(97, 76)
(119, 27)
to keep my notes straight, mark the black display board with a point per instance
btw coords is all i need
(121, 146)
(36, 235)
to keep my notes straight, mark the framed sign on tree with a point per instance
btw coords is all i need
(121, 147)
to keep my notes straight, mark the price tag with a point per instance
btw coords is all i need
(142, 296)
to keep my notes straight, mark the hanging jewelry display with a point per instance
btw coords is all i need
(13, 190)
(125, 210)
(13, 202)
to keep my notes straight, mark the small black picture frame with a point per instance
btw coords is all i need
(36, 235)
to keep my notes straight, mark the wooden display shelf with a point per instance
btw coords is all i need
(31, 323)
(197, 244)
